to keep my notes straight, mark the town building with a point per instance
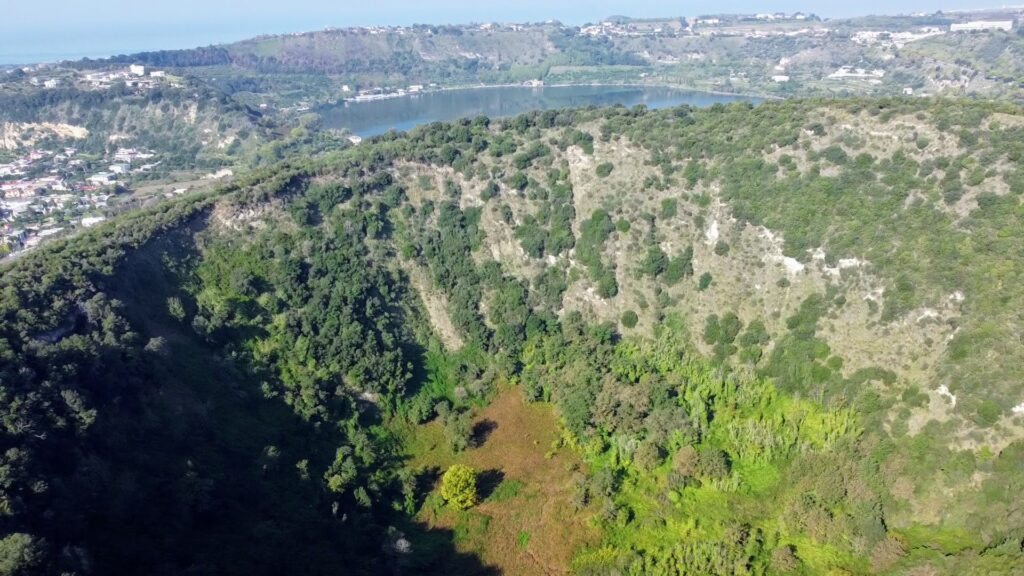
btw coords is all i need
(978, 25)
(102, 179)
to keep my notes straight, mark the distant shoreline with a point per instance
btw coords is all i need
(465, 87)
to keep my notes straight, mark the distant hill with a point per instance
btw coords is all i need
(735, 54)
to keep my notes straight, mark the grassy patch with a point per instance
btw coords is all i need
(507, 490)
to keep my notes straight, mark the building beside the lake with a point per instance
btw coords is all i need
(979, 25)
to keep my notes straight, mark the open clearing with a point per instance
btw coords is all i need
(525, 523)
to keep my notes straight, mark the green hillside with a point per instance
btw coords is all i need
(782, 339)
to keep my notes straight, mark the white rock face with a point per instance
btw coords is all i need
(711, 234)
(793, 266)
(1018, 409)
(944, 391)
(818, 255)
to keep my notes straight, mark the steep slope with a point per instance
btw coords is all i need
(778, 339)
(191, 126)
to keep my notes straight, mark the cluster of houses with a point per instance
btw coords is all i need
(902, 38)
(134, 76)
(660, 27)
(126, 160)
(55, 76)
(854, 73)
(698, 25)
(886, 38)
(48, 186)
(403, 30)
(16, 235)
(374, 94)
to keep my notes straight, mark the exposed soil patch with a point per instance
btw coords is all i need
(537, 530)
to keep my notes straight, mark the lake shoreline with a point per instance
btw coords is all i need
(400, 113)
(457, 88)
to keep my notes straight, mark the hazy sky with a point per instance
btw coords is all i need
(32, 30)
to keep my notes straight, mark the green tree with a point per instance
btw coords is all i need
(175, 308)
(518, 181)
(705, 281)
(679, 267)
(629, 319)
(491, 190)
(654, 262)
(458, 487)
(458, 429)
(19, 554)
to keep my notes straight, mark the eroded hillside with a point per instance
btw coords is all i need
(911, 184)
(777, 339)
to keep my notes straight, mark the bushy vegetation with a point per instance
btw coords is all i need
(458, 487)
(183, 382)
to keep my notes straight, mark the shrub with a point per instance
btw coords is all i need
(518, 181)
(679, 267)
(712, 330)
(712, 463)
(490, 191)
(988, 413)
(603, 170)
(669, 208)
(704, 282)
(458, 429)
(607, 286)
(458, 487)
(629, 319)
(784, 560)
(886, 553)
(685, 461)
(175, 308)
(654, 262)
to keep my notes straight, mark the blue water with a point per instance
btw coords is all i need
(373, 118)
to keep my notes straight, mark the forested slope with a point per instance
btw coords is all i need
(781, 339)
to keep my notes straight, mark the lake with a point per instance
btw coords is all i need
(377, 117)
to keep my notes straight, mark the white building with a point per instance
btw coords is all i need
(137, 69)
(780, 78)
(849, 72)
(1006, 25)
(101, 179)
